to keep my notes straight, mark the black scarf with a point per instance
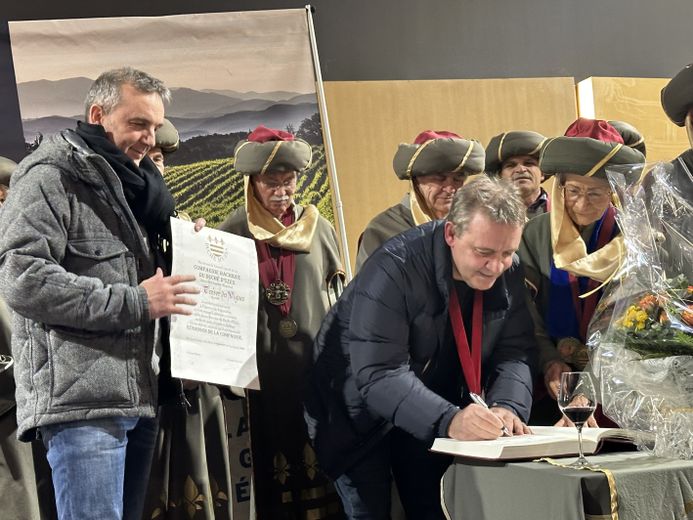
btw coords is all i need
(145, 190)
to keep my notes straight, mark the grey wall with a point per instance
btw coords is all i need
(430, 39)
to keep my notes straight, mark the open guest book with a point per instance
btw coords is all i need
(544, 441)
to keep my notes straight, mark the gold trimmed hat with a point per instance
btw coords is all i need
(510, 144)
(269, 150)
(438, 152)
(589, 145)
(631, 136)
(677, 96)
(167, 137)
(7, 166)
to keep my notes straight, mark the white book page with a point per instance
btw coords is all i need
(543, 441)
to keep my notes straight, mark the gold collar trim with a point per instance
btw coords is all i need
(570, 251)
(265, 227)
(419, 209)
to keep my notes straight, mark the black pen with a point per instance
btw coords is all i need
(479, 400)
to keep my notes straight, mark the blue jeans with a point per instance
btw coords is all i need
(365, 488)
(101, 466)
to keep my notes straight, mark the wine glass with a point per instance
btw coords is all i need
(577, 400)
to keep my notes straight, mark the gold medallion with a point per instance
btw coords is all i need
(287, 327)
(278, 292)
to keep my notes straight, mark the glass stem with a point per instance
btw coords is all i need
(580, 454)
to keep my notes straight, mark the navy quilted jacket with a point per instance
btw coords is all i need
(380, 346)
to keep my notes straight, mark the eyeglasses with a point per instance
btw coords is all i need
(274, 186)
(593, 195)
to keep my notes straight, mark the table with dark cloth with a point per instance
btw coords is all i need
(646, 488)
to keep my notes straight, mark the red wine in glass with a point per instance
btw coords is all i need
(577, 400)
(578, 415)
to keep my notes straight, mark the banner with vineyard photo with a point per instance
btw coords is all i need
(228, 73)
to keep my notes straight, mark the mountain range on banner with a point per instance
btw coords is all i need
(50, 106)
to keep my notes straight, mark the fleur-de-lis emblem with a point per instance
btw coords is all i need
(282, 468)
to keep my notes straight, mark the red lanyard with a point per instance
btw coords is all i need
(584, 307)
(470, 359)
(280, 269)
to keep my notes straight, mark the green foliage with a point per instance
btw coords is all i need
(213, 189)
(205, 147)
(311, 130)
(661, 343)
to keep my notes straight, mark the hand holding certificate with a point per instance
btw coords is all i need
(216, 343)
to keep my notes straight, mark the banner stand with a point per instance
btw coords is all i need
(329, 152)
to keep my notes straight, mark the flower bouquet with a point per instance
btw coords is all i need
(641, 335)
(659, 325)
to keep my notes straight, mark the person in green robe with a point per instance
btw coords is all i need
(573, 249)
(435, 166)
(515, 156)
(191, 474)
(300, 278)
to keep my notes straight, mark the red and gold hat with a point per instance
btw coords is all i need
(270, 150)
(438, 151)
(587, 148)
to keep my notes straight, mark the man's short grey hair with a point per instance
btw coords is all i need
(105, 91)
(494, 197)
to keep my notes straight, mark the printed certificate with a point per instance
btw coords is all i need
(216, 344)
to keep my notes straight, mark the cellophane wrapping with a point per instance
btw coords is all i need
(641, 336)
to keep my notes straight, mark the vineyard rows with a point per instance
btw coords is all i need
(213, 189)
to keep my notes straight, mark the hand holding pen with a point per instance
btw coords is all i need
(477, 423)
(480, 401)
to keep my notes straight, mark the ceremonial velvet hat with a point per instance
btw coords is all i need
(269, 150)
(167, 137)
(511, 144)
(631, 136)
(588, 147)
(677, 96)
(7, 166)
(438, 152)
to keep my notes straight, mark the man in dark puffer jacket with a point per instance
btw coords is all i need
(387, 379)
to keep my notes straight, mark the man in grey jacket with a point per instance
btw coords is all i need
(81, 266)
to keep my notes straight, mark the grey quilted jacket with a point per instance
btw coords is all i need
(71, 258)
